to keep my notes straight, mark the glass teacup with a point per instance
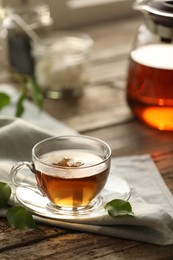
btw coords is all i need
(71, 171)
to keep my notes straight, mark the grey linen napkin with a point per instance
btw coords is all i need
(151, 200)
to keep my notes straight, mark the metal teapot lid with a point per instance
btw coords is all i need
(162, 8)
(160, 13)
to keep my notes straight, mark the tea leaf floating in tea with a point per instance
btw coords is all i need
(17, 216)
(68, 162)
(118, 207)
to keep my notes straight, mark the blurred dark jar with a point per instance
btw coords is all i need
(150, 75)
(15, 42)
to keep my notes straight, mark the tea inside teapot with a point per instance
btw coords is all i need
(150, 74)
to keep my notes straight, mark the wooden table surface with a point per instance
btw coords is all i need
(101, 112)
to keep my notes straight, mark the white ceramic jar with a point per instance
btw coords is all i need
(61, 64)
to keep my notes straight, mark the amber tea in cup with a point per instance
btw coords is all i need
(71, 171)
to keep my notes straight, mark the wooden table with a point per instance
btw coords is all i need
(101, 112)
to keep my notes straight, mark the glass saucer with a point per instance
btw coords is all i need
(115, 188)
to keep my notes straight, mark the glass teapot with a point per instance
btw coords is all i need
(150, 74)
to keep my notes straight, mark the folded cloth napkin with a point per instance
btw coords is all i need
(151, 200)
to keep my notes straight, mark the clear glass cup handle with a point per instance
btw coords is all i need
(16, 181)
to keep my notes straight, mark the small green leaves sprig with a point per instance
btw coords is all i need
(17, 216)
(119, 207)
(28, 88)
(4, 100)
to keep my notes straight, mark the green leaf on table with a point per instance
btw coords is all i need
(4, 100)
(5, 192)
(37, 95)
(19, 104)
(20, 218)
(118, 207)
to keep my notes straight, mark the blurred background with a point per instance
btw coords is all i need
(71, 13)
(33, 59)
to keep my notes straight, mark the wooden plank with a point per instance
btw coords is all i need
(134, 138)
(75, 246)
(102, 105)
(112, 39)
(13, 238)
(112, 71)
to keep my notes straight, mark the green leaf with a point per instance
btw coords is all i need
(4, 100)
(118, 207)
(20, 218)
(37, 95)
(5, 192)
(19, 104)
